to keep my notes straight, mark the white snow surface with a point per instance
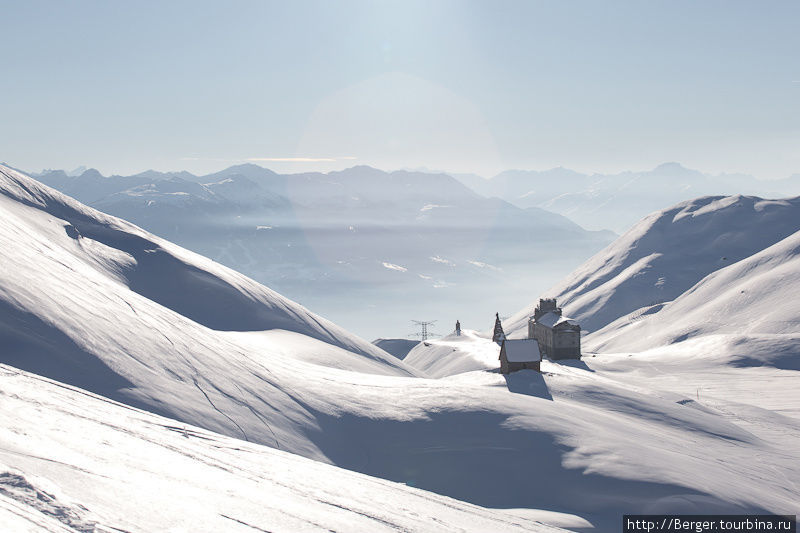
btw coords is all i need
(74, 461)
(95, 302)
(454, 354)
(552, 319)
(397, 347)
(522, 350)
(698, 302)
(49, 231)
(665, 254)
(753, 296)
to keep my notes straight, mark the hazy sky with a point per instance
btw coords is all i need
(460, 86)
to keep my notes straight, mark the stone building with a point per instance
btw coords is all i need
(519, 354)
(559, 337)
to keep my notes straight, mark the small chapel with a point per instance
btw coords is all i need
(516, 354)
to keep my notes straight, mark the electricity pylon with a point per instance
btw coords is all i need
(424, 333)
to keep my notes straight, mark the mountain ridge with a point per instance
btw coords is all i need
(616, 201)
(718, 262)
(319, 238)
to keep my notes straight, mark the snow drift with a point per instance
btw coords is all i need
(72, 461)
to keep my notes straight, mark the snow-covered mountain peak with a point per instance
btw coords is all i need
(157, 175)
(77, 171)
(248, 170)
(363, 171)
(674, 168)
(748, 297)
(91, 173)
(666, 253)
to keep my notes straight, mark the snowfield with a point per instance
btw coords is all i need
(97, 303)
(666, 254)
(397, 347)
(454, 354)
(750, 296)
(73, 461)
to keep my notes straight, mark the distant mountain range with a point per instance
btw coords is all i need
(320, 237)
(617, 201)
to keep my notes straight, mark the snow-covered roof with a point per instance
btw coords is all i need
(522, 350)
(551, 320)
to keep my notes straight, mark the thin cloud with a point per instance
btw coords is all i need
(392, 266)
(442, 260)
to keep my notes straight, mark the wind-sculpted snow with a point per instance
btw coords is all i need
(667, 253)
(93, 301)
(72, 461)
(752, 296)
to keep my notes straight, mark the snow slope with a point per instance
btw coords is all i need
(696, 303)
(748, 297)
(641, 409)
(665, 254)
(397, 347)
(454, 354)
(73, 461)
(40, 223)
(95, 302)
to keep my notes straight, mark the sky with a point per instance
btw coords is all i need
(466, 86)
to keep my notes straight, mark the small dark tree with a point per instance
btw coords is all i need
(499, 335)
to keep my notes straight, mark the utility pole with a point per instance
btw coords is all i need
(424, 333)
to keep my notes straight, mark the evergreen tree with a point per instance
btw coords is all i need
(499, 335)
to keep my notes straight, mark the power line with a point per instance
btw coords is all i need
(424, 333)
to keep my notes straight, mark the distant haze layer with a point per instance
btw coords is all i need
(375, 250)
(371, 249)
